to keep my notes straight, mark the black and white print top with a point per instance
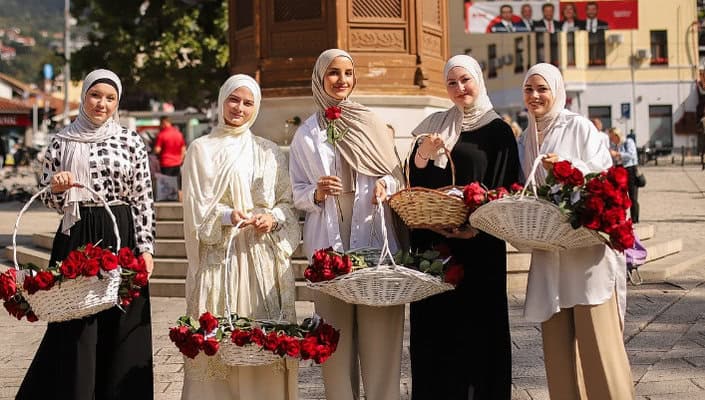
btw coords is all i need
(119, 169)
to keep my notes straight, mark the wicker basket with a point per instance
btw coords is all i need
(527, 221)
(249, 355)
(383, 285)
(421, 207)
(73, 298)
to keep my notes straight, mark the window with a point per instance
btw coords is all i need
(570, 45)
(659, 48)
(661, 127)
(553, 40)
(540, 47)
(518, 55)
(596, 48)
(604, 113)
(492, 60)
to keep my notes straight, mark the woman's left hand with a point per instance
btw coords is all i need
(149, 263)
(462, 232)
(263, 223)
(380, 191)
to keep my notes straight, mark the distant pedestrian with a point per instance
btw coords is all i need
(170, 146)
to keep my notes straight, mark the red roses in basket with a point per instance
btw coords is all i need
(475, 195)
(327, 264)
(313, 339)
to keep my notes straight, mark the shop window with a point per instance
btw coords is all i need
(604, 113)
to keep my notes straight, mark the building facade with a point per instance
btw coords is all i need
(642, 79)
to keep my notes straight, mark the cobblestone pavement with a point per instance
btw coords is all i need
(664, 332)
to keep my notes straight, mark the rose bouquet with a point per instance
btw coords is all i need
(89, 280)
(327, 264)
(245, 338)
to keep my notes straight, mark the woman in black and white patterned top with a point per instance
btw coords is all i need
(107, 355)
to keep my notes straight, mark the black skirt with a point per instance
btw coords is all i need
(104, 356)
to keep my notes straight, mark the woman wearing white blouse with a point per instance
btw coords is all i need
(579, 295)
(337, 185)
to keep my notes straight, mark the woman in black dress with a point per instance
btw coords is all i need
(107, 355)
(460, 342)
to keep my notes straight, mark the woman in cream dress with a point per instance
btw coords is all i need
(232, 177)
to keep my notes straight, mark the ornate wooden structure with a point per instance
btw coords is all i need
(399, 46)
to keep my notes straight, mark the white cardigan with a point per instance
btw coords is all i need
(589, 275)
(310, 158)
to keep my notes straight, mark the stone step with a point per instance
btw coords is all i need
(169, 211)
(163, 247)
(170, 229)
(663, 269)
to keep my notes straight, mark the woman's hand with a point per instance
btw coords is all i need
(430, 147)
(149, 263)
(550, 159)
(327, 186)
(236, 216)
(61, 182)
(380, 191)
(462, 232)
(263, 223)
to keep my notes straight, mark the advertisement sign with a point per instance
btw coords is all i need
(550, 16)
(15, 120)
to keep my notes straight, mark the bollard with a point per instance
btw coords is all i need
(682, 156)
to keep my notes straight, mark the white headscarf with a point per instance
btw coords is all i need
(76, 144)
(451, 123)
(230, 85)
(554, 79)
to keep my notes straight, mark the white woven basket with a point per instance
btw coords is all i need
(527, 221)
(73, 298)
(249, 355)
(383, 285)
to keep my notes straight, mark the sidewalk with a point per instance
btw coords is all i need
(664, 332)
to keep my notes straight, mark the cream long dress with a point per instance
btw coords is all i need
(244, 172)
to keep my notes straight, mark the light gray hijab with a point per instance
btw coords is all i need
(75, 145)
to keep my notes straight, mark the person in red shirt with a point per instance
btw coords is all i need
(170, 146)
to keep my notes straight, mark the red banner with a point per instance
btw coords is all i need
(610, 14)
(14, 120)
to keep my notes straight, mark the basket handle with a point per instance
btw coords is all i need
(385, 239)
(42, 191)
(411, 150)
(228, 254)
(531, 180)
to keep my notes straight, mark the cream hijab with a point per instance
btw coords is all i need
(449, 124)
(367, 147)
(554, 79)
(75, 146)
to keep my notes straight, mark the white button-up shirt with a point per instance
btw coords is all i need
(310, 158)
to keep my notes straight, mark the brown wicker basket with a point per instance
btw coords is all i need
(421, 207)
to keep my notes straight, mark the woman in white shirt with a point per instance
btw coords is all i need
(337, 182)
(579, 295)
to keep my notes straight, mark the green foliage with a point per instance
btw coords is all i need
(428, 261)
(164, 48)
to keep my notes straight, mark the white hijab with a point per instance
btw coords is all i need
(76, 144)
(451, 123)
(554, 79)
(209, 168)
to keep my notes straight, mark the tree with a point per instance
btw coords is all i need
(169, 50)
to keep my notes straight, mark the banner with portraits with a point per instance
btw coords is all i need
(550, 16)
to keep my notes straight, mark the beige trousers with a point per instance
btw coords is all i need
(370, 342)
(584, 354)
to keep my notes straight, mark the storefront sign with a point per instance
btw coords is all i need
(15, 120)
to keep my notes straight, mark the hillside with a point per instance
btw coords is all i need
(30, 15)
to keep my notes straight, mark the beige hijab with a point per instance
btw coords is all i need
(449, 124)
(367, 146)
(554, 79)
(75, 146)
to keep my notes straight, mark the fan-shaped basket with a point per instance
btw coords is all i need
(73, 298)
(421, 207)
(527, 221)
(249, 355)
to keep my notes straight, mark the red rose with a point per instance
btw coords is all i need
(474, 195)
(140, 279)
(179, 334)
(515, 187)
(240, 337)
(257, 337)
(622, 237)
(594, 205)
(15, 308)
(126, 258)
(333, 112)
(134, 293)
(141, 264)
(91, 267)
(611, 195)
(192, 346)
(340, 266)
(320, 258)
(208, 322)
(44, 280)
(93, 251)
(612, 217)
(308, 348)
(211, 346)
(562, 170)
(323, 353)
(8, 284)
(618, 176)
(30, 284)
(576, 178)
(72, 266)
(347, 264)
(292, 346)
(109, 260)
(497, 193)
(327, 274)
(454, 274)
(591, 220)
(595, 186)
(311, 275)
(32, 317)
(125, 301)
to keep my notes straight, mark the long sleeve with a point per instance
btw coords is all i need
(140, 198)
(302, 188)
(51, 166)
(288, 235)
(628, 153)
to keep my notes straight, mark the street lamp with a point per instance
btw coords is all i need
(67, 58)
